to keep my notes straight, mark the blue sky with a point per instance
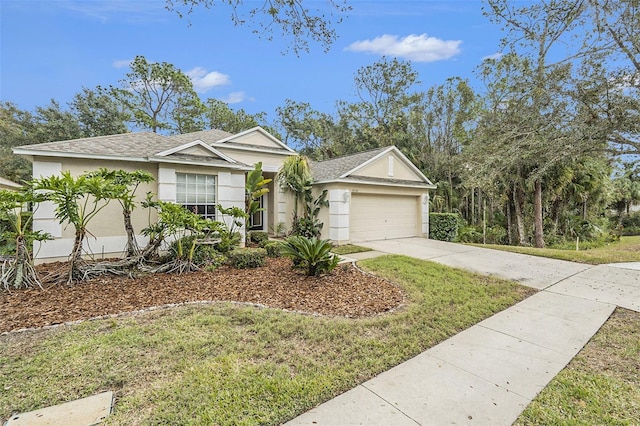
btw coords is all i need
(51, 49)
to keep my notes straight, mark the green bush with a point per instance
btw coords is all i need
(311, 254)
(273, 248)
(202, 253)
(228, 242)
(258, 237)
(247, 257)
(629, 224)
(469, 234)
(443, 226)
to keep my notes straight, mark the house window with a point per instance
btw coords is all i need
(197, 193)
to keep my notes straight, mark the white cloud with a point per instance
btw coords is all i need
(496, 56)
(203, 80)
(133, 12)
(419, 48)
(121, 63)
(235, 98)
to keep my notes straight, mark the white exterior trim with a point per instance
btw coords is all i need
(424, 214)
(197, 163)
(64, 154)
(399, 185)
(339, 207)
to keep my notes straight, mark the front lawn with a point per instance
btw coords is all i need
(625, 250)
(601, 385)
(235, 364)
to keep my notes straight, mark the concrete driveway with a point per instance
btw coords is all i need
(618, 285)
(489, 373)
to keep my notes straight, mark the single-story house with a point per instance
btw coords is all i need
(9, 185)
(373, 195)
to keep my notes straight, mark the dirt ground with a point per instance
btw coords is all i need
(346, 292)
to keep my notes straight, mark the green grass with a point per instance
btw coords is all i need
(349, 249)
(601, 385)
(625, 250)
(233, 364)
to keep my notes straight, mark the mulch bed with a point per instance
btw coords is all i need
(346, 292)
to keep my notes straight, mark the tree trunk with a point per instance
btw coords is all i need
(508, 214)
(76, 254)
(537, 214)
(132, 244)
(518, 206)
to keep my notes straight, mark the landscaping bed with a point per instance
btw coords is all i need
(346, 292)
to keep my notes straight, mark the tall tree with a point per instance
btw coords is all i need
(158, 96)
(219, 115)
(98, 113)
(292, 17)
(537, 101)
(386, 93)
(16, 128)
(442, 125)
(315, 134)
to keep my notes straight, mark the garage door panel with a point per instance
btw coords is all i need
(377, 217)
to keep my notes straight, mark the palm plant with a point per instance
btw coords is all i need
(254, 189)
(18, 271)
(78, 201)
(311, 254)
(295, 176)
(125, 186)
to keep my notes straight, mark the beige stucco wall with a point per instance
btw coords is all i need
(380, 169)
(257, 139)
(271, 162)
(107, 235)
(197, 150)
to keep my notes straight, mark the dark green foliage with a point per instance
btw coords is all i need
(443, 226)
(260, 238)
(629, 224)
(247, 257)
(310, 254)
(309, 225)
(228, 242)
(273, 248)
(473, 234)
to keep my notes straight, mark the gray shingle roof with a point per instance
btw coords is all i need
(334, 168)
(207, 136)
(143, 144)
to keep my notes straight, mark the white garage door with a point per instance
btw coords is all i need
(379, 217)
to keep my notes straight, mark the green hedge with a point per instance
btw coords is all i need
(443, 226)
(273, 248)
(247, 257)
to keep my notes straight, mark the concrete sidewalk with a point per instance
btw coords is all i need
(488, 374)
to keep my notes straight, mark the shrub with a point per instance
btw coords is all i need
(469, 234)
(202, 253)
(258, 237)
(247, 257)
(273, 248)
(311, 254)
(443, 226)
(228, 241)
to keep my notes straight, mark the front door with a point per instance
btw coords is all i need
(256, 220)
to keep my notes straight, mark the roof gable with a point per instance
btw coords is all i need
(254, 139)
(196, 148)
(373, 165)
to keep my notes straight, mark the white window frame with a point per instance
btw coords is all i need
(197, 193)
